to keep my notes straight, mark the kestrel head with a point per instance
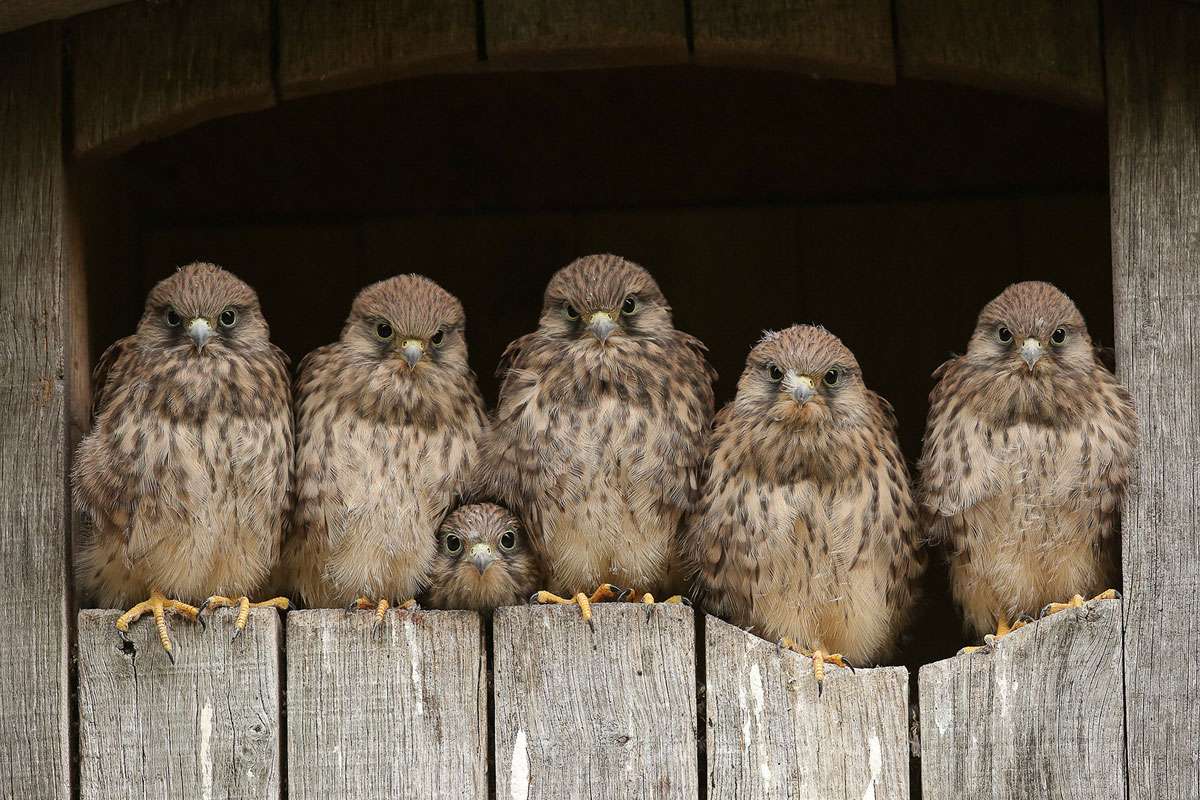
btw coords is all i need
(409, 323)
(1031, 331)
(205, 311)
(602, 302)
(484, 559)
(805, 376)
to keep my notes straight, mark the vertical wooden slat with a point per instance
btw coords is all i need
(206, 727)
(1043, 48)
(336, 44)
(1038, 715)
(604, 713)
(148, 69)
(770, 734)
(34, 718)
(1153, 68)
(830, 38)
(398, 711)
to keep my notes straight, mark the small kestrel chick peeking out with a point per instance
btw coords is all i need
(1028, 450)
(484, 561)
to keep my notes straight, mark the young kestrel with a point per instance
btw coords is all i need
(599, 433)
(185, 476)
(806, 528)
(1027, 453)
(484, 561)
(388, 420)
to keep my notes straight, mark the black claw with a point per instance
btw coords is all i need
(533, 598)
(236, 633)
(1045, 608)
(592, 624)
(686, 602)
(353, 606)
(171, 655)
(623, 595)
(649, 611)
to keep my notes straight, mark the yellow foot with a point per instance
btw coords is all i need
(1003, 628)
(819, 658)
(606, 591)
(649, 601)
(243, 605)
(1077, 602)
(158, 605)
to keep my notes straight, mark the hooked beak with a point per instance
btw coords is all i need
(413, 349)
(482, 557)
(1031, 351)
(803, 389)
(601, 325)
(200, 332)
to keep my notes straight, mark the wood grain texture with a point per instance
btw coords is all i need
(1038, 715)
(584, 33)
(398, 712)
(829, 38)
(34, 716)
(208, 726)
(147, 69)
(609, 713)
(1041, 48)
(17, 14)
(1153, 67)
(771, 735)
(335, 44)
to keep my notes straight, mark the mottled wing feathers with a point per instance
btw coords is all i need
(108, 373)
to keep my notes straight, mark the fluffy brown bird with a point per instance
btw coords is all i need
(598, 436)
(185, 475)
(806, 529)
(388, 420)
(1027, 453)
(484, 561)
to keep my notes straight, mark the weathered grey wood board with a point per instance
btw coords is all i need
(1153, 68)
(1041, 48)
(770, 734)
(206, 727)
(148, 69)
(609, 713)
(34, 716)
(395, 712)
(830, 38)
(336, 44)
(1038, 715)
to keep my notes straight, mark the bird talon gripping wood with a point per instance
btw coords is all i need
(243, 605)
(157, 605)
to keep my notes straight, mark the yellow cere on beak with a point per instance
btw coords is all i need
(482, 556)
(803, 387)
(601, 325)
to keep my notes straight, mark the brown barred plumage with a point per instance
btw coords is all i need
(484, 561)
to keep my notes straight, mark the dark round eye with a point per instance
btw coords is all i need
(228, 318)
(452, 543)
(1004, 334)
(629, 306)
(437, 337)
(508, 540)
(832, 377)
(572, 313)
(383, 330)
(1059, 336)
(173, 318)
(774, 373)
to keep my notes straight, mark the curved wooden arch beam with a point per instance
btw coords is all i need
(144, 70)
(1036, 48)
(829, 38)
(569, 34)
(326, 45)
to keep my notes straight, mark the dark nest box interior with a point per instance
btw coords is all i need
(757, 197)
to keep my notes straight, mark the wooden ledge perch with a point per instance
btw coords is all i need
(770, 734)
(208, 726)
(1039, 714)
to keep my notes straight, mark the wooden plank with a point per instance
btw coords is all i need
(334, 44)
(148, 69)
(770, 734)
(603, 713)
(34, 717)
(207, 727)
(829, 38)
(584, 33)
(395, 712)
(1038, 715)
(1039, 48)
(1153, 67)
(17, 14)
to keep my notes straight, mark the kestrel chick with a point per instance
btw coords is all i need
(599, 432)
(484, 561)
(806, 528)
(1027, 453)
(388, 420)
(185, 476)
